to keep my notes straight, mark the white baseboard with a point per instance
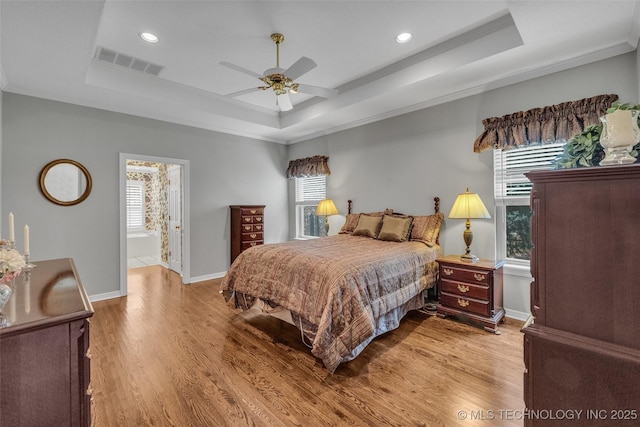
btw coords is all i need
(107, 295)
(518, 315)
(208, 277)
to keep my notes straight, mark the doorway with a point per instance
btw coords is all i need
(162, 224)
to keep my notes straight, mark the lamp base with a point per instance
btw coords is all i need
(468, 258)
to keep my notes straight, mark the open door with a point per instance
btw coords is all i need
(175, 218)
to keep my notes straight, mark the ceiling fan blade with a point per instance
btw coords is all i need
(300, 67)
(285, 102)
(241, 69)
(317, 91)
(242, 92)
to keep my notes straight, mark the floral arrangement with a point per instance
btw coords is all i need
(584, 149)
(11, 262)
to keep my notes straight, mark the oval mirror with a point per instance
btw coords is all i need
(65, 182)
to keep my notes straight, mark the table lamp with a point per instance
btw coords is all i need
(325, 208)
(467, 206)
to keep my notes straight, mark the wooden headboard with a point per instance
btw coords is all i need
(436, 205)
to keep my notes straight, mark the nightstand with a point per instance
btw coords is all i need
(471, 290)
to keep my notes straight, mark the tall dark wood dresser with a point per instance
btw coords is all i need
(247, 228)
(44, 349)
(582, 344)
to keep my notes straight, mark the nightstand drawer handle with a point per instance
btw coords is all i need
(252, 243)
(447, 271)
(480, 277)
(253, 211)
(463, 288)
(463, 302)
(253, 235)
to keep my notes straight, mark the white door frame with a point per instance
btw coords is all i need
(186, 255)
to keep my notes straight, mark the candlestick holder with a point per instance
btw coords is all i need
(28, 265)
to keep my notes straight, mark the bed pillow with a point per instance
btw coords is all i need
(427, 228)
(383, 213)
(350, 224)
(368, 226)
(395, 228)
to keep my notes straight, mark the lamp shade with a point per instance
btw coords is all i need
(468, 205)
(326, 207)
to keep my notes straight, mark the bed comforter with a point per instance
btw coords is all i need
(342, 290)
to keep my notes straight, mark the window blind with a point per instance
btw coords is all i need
(510, 166)
(311, 188)
(135, 205)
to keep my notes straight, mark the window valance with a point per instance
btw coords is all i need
(309, 166)
(542, 125)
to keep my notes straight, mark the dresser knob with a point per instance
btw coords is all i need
(259, 219)
(463, 288)
(480, 277)
(253, 235)
(253, 211)
(253, 243)
(247, 219)
(447, 271)
(463, 302)
(258, 227)
(247, 228)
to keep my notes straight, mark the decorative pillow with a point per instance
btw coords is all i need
(350, 224)
(395, 228)
(427, 228)
(368, 226)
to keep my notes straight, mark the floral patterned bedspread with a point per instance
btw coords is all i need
(342, 290)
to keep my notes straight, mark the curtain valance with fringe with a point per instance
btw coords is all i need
(309, 166)
(542, 125)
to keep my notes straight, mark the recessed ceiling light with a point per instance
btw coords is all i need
(403, 37)
(149, 37)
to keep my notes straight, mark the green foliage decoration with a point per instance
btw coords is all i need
(584, 149)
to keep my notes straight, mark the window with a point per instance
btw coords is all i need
(309, 191)
(512, 191)
(135, 205)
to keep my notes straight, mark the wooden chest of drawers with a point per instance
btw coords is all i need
(473, 290)
(45, 366)
(247, 228)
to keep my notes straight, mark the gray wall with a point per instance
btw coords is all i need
(404, 161)
(225, 170)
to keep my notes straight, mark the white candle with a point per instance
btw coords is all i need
(26, 240)
(12, 237)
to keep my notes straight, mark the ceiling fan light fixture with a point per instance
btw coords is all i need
(404, 37)
(149, 37)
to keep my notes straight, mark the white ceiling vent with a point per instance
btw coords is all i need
(127, 61)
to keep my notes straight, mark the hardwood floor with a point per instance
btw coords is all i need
(174, 355)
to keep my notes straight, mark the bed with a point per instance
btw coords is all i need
(344, 290)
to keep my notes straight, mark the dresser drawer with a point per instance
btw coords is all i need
(465, 304)
(247, 245)
(465, 290)
(249, 237)
(251, 211)
(251, 228)
(461, 274)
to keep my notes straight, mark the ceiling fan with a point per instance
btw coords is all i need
(281, 80)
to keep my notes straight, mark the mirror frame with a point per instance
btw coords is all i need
(48, 196)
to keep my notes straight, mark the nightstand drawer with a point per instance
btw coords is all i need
(465, 304)
(464, 275)
(465, 290)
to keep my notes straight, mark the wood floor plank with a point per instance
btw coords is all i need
(178, 355)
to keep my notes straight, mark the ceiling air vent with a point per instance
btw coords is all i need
(127, 61)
